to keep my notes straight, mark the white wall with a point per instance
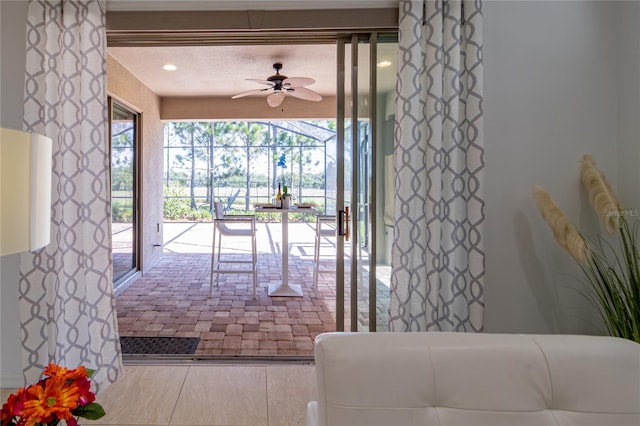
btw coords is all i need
(553, 71)
(629, 105)
(13, 18)
(127, 89)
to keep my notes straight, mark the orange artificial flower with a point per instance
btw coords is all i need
(13, 407)
(53, 370)
(55, 401)
(61, 394)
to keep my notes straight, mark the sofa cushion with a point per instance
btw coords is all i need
(592, 374)
(476, 379)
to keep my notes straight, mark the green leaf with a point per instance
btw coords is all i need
(92, 411)
(90, 372)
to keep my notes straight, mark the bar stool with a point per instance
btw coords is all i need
(325, 227)
(226, 225)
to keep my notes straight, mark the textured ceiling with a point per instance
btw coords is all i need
(223, 70)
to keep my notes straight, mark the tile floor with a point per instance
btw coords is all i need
(173, 298)
(215, 395)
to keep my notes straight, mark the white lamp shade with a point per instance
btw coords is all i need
(25, 191)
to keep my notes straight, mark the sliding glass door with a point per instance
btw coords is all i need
(124, 191)
(385, 57)
(366, 103)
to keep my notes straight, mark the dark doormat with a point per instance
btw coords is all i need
(159, 345)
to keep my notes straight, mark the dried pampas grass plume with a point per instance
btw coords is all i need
(601, 195)
(564, 232)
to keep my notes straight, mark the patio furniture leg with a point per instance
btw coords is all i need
(255, 265)
(219, 252)
(320, 232)
(213, 257)
(316, 262)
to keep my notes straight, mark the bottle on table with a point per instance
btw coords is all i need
(279, 197)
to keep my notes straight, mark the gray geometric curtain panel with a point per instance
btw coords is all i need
(67, 303)
(437, 255)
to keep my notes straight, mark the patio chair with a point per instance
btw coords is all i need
(325, 227)
(232, 226)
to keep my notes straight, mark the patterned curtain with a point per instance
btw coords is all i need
(67, 304)
(437, 255)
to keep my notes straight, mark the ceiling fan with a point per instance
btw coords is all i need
(281, 85)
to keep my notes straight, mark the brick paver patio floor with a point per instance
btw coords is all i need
(172, 299)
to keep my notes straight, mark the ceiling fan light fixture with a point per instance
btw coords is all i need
(275, 99)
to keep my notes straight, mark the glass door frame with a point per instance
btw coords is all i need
(340, 199)
(134, 272)
(353, 224)
(366, 31)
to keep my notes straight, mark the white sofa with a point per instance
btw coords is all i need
(406, 379)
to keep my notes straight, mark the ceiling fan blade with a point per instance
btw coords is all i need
(304, 93)
(275, 99)
(247, 93)
(298, 81)
(266, 82)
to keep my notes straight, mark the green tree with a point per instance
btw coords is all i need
(196, 138)
(248, 138)
(235, 157)
(122, 157)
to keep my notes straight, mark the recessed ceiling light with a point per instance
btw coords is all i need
(169, 67)
(384, 62)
